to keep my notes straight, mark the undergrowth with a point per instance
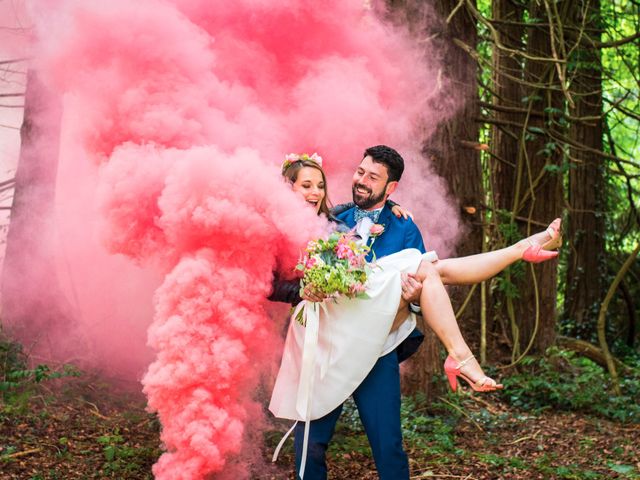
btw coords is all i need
(18, 380)
(564, 381)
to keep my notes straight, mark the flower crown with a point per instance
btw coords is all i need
(292, 158)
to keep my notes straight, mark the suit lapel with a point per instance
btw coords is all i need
(349, 218)
(385, 220)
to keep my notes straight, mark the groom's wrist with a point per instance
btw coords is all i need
(415, 309)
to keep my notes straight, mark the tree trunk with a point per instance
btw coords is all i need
(455, 159)
(542, 186)
(505, 139)
(507, 92)
(586, 265)
(533, 192)
(31, 300)
(453, 153)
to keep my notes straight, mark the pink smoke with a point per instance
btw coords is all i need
(176, 118)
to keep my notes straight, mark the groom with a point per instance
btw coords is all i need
(378, 396)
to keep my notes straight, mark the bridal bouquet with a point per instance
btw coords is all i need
(336, 266)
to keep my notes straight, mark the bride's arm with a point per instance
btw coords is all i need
(286, 291)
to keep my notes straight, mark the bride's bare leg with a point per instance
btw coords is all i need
(438, 313)
(481, 267)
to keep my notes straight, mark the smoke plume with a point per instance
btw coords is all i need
(176, 118)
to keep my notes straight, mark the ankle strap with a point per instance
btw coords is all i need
(463, 362)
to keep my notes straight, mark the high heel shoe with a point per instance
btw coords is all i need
(542, 253)
(556, 237)
(452, 369)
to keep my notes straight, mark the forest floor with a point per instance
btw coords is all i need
(88, 430)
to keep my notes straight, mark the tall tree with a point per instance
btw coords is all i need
(507, 119)
(531, 189)
(31, 305)
(586, 265)
(507, 96)
(453, 152)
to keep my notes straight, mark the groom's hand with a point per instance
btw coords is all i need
(310, 294)
(411, 288)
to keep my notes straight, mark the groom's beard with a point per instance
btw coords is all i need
(368, 200)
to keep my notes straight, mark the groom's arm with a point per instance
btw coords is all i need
(413, 237)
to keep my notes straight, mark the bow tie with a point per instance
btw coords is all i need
(359, 214)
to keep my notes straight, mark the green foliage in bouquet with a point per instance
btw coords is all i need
(335, 266)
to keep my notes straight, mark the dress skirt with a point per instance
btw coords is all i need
(324, 362)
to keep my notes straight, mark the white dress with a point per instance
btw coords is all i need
(324, 362)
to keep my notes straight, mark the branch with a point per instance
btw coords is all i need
(622, 109)
(15, 60)
(24, 453)
(617, 43)
(587, 350)
(481, 18)
(602, 318)
(534, 113)
(612, 146)
(556, 136)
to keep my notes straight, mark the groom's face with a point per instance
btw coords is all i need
(371, 186)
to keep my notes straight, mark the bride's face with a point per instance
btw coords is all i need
(310, 185)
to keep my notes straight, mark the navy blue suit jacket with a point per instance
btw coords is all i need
(398, 234)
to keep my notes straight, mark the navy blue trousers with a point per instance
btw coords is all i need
(378, 402)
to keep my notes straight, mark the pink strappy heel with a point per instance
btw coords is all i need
(452, 369)
(542, 253)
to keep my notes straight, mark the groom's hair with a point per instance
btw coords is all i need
(388, 157)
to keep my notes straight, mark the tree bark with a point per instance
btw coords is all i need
(586, 264)
(455, 160)
(542, 201)
(453, 154)
(31, 300)
(527, 174)
(508, 92)
(504, 140)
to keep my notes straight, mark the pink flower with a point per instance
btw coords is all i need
(376, 230)
(341, 250)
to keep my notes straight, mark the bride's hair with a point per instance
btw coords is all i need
(290, 173)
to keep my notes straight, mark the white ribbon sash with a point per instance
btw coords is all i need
(311, 319)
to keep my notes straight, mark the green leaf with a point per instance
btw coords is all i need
(109, 453)
(624, 469)
(532, 98)
(553, 110)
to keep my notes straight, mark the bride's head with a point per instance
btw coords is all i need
(307, 178)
